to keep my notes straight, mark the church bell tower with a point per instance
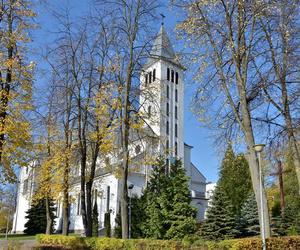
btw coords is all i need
(162, 96)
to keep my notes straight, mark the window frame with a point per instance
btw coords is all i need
(172, 75)
(150, 77)
(149, 111)
(168, 109)
(167, 128)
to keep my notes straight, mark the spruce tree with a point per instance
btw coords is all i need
(288, 223)
(235, 179)
(169, 214)
(107, 224)
(118, 227)
(95, 221)
(155, 224)
(138, 216)
(36, 217)
(249, 221)
(220, 220)
(180, 214)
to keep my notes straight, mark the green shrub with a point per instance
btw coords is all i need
(188, 243)
(71, 242)
(51, 247)
(275, 243)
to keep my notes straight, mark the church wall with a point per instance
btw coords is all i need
(107, 199)
(25, 192)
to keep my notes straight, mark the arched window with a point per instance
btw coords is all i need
(176, 95)
(107, 198)
(172, 76)
(149, 111)
(168, 92)
(168, 109)
(78, 204)
(25, 186)
(176, 110)
(168, 74)
(150, 76)
(176, 78)
(167, 127)
(154, 75)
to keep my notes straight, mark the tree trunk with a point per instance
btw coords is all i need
(254, 170)
(292, 141)
(125, 163)
(89, 188)
(124, 203)
(241, 60)
(65, 229)
(89, 221)
(48, 216)
(83, 197)
(5, 89)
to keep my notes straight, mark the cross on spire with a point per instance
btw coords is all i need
(162, 18)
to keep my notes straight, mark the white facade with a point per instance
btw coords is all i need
(162, 100)
(210, 188)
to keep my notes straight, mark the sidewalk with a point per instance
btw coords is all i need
(17, 244)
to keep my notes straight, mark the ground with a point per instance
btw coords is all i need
(17, 244)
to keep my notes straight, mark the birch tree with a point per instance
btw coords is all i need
(279, 76)
(16, 75)
(132, 19)
(222, 35)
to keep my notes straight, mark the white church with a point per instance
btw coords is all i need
(164, 73)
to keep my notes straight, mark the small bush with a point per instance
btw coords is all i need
(275, 243)
(61, 242)
(71, 242)
(50, 247)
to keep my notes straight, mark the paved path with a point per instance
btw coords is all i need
(17, 244)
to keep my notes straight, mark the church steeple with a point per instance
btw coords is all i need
(162, 47)
(162, 95)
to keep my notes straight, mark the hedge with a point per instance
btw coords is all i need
(79, 243)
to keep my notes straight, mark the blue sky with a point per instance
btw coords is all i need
(204, 155)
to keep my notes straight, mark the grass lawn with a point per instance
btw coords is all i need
(18, 237)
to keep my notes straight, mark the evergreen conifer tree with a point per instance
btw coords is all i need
(180, 214)
(169, 214)
(220, 220)
(138, 216)
(118, 228)
(288, 223)
(107, 224)
(36, 215)
(235, 179)
(95, 221)
(249, 221)
(155, 224)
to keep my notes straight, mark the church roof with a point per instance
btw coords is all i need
(162, 46)
(162, 49)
